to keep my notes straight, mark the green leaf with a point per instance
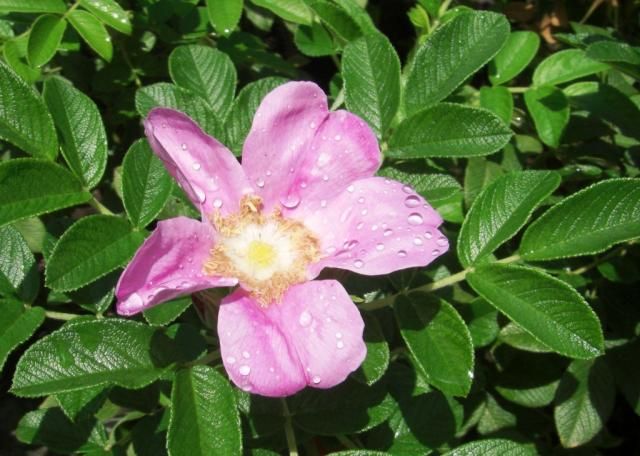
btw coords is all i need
(19, 274)
(17, 324)
(608, 103)
(482, 320)
(172, 96)
(224, 15)
(84, 140)
(206, 72)
(624, 364)
(565, 66)
(290, 10)
(31, 187)
(337, 20)
(91, 248)
(584, 402)
(345, 409)
(314, 40)
(110, 13)
(51, 428)
(204, 415)
(549, 108)
(92, 32)
(24, 119)
(587, 222)
(146, 184)
(501, 210)
(451, 54)
(547, 308)
(82, 404)
(439, 341)
(499, 101)
(166, 312)
(44, 38)
(479, 173)
(15, 55)
(32, 6)
(621, 56)
(377, 361)
(371, 72)
(449, 130)
(513, 335)
(91, 353)
(493, 447)
(518, 52)
(357, 11)
(238, 123)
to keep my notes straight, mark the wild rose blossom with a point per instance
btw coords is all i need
(305, 198)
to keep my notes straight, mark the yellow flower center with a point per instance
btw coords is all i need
(266, 253)
(261, 254)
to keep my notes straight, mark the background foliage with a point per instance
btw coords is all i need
(519, 121)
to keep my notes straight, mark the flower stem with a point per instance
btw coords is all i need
(288, 430)
(442, 283)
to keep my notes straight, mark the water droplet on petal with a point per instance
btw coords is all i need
(358, 264)
(407, 189)
(217, 203)
(246, 355)
(323, 203)
(244, 370)
(402, 253)
(260, 182)
(268, 172)
(350, 188)
(315, 380)
(337, 137)
(388, 232)
(361, 200)
(380, 247)
(305, 319)
(442, 241)
(196, 166)
(359, 226)
(412, 201)
(231, 360)
(338, 335)
(435, 252)
(349, 244)
(303, 184)
(345, 215)
(428, 235)
(200, 194)
(414, 219)
(183, 146)
(417, 241)
(340, 344)
(312, 125)
(290, 201)
(364, 212)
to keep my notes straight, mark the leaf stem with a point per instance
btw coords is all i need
(346, 442)
(288, 430)
(98, 206)
(517, 89)
(441, 283)
(614, 253)
(61, 315)
(206, 359)
(339, 100)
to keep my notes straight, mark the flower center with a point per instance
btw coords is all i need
(266, 253)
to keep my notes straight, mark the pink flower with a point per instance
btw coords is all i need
(305, 198)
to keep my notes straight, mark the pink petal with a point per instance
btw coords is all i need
(312, 337)
(255, 351)
(206, 170)
(283, 127)
(168, 265)
(376, 226)
(344, 150)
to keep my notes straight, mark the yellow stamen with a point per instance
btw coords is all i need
(261, 253)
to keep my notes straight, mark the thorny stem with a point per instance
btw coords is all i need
(442, 283)
(288, 430)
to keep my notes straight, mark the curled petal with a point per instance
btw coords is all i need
(283, 127)
(376, 226)
(206, 170)
(168, 265)
(312, 337)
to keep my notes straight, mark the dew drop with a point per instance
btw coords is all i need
(303, 184)
(338, 335)
(244, 370)
(316, 380)
(305, 319)
(359, 226)
(323, 203)
(407, 189)
(323, 159)
(196, 166)
(312, 125)
(345, 215)
(290, 201)
(402, 253)
(217, 203)
(325, 178)
(414, 219)
(268, 172)
(428, 235)
(388, 232)
(260, 182)
(364, 212)
(337, 137)
(417, 241)
(340, 344)
(231, 360)
(246, 355)
(442, 241)
(380, 247)
(183, 146)
(200, 194)
(358, 263)
(349, 244)
(350, 188)
(412, 201)
(272, 370)
(361, 200)
(435, 252)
